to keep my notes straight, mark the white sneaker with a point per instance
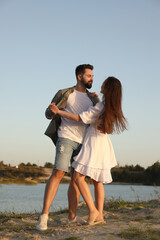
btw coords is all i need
(42, 223)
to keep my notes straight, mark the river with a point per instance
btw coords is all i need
(29, 199)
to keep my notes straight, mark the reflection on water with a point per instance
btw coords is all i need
(24, 198)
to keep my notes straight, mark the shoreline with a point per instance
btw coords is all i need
(65, 180)
(123, 220)
(31, 174)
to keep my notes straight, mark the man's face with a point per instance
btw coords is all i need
(87, 78)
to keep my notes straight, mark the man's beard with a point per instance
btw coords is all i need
(87, 85)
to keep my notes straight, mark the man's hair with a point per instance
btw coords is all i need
(81, 69)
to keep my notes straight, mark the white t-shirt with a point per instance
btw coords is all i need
(77, 103)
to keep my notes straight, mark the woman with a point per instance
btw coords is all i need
(97, 157)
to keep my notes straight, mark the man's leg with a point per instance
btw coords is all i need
(73, 191)
(64, 151)
(51, 189)
(50, 193)
(73, 198)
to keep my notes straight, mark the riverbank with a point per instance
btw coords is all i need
(124, 220)
(32, 174)
(44, 175)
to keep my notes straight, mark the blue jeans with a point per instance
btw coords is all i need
(66, 150)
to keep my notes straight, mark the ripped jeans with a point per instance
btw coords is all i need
(66, 150)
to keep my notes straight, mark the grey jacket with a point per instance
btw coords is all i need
(60, 99)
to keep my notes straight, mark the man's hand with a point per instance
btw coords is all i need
(54, 108)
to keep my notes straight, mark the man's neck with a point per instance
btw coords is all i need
(80, 88)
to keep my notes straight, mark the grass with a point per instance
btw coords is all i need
(149, 217)
(137, 234)
(117, 204)
(6, 215)
(10, 215)
(71, 238)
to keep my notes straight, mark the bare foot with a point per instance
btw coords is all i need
(92, 217)
(99, 218)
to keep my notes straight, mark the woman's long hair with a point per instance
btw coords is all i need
(112, 118)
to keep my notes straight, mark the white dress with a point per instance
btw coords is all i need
(96, 157)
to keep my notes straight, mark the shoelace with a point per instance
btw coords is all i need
(43, 221)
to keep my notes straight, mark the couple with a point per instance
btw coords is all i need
(71, 111)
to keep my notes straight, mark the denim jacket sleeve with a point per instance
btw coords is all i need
(93, 98)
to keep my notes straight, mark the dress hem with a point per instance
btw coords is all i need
(99, 175)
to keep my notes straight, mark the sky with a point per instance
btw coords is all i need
(42, 42)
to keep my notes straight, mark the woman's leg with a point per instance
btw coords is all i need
(99, 197)
(86, 194)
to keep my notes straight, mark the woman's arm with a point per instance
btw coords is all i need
(71, 116)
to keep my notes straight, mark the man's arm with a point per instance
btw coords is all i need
(71, 116)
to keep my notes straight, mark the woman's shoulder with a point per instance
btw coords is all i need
(99, 105)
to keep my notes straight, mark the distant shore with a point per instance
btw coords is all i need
(31, 174)
(65, 180)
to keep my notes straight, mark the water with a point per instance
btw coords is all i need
(29, 199)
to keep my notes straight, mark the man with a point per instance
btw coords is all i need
(68, 139)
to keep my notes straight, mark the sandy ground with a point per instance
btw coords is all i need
(123, 221)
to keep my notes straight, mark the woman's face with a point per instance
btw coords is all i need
(102, 87)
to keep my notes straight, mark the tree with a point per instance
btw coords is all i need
(152, 174)
(48, 165)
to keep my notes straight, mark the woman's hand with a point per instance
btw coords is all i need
(54, 108)
(93, 94)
